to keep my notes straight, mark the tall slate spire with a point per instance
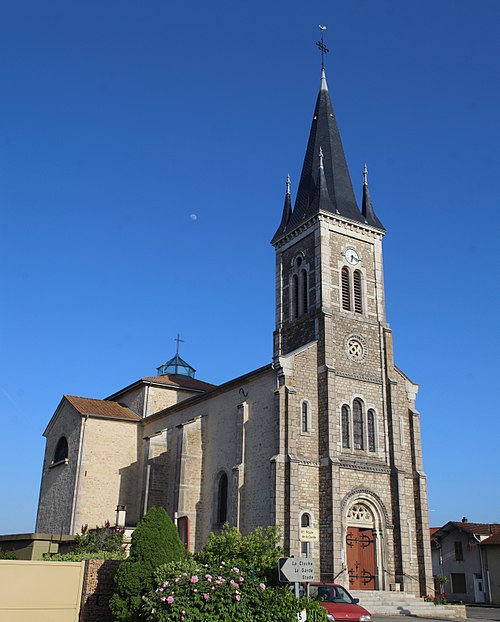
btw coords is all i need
(325, 134)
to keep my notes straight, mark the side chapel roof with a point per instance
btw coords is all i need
(101, 408)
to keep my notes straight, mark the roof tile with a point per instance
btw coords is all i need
(102, 408)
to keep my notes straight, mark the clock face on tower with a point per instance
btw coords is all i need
(351, 256)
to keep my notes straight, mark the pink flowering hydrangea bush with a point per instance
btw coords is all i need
(191, 592)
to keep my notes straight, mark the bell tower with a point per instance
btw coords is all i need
(349, 439)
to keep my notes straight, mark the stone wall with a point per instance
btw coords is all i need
(58, 479)
(98, 587)
(108, 473)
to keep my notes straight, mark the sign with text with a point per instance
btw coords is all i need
(309, 534)
(296, 570)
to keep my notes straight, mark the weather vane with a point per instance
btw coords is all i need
(179, 340)
(321, 45)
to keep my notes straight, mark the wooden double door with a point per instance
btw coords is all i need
(360, 546)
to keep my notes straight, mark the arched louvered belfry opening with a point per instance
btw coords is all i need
(346, 289)
(358, 295)
(61, 452)
(222, 496)
(345, 427)
(357, 423)
(371, 429)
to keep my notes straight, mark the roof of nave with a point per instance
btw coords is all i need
(178, 380)
(216, 390)
(101, 408)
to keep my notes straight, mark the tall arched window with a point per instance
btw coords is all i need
(61, 452)
(357, 422)
(305, 416)
(371, 430)
(358, 299)
(345, 427)
(346, 290)
(303, 293)
(295, 296)
(222, 499)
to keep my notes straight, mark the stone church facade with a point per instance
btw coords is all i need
(326, 437)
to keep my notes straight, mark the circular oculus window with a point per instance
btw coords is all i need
(355, 347)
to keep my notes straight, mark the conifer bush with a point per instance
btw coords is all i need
(155, 541)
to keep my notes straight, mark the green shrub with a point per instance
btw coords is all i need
(101, 539)
(7, 555)
(190, 592)
(257, 553)
(155, 541)
(78, 557)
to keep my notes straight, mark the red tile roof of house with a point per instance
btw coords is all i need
(495, 539)
(101, 408)
(480, 529)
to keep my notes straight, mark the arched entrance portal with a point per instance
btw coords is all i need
(361, 548)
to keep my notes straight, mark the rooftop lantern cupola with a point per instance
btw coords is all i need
(176, 366)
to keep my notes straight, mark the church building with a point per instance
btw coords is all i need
(324, 441)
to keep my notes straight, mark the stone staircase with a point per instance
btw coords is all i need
(401, 603)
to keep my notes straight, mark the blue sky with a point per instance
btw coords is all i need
(143, 153)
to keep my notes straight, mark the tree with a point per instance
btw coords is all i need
(155, 541)
(257, 553)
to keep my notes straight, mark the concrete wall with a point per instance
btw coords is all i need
(35, 545)
(40, 591)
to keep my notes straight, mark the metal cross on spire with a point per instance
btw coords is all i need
(179, 340)
(321, 45)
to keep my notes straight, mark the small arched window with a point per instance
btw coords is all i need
(346, 290)
(357, 422)
(222, 499)
(371, 430)
(345, 427)
(305, 417)
(61, 452)
(358, 298)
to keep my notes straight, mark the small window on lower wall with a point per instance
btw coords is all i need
(458, 585)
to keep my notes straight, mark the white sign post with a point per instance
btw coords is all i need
(296, 570)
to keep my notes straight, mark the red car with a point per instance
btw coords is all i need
(339, 604)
